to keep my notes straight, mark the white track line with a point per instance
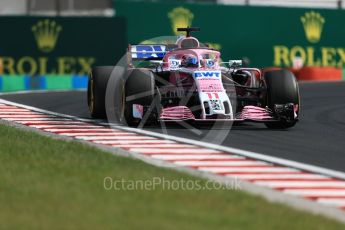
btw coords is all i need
(258, 177)
(94, 134)
(18, 113)
(150, 146)
(316, 192)
(332, 201)
(36, 119)
(52, 122)
(78, 130)
(115, 143)
(121, 137)
(196, 157)
(25, 116)
(251, 170)
(12, 108)
(302, 184)
(64, 126)
(220, 163)
(151, 151)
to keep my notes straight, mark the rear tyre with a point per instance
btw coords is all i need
(139, 88)
(97, 86)
(282, 88)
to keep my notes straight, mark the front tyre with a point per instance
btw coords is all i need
(138, 91)
(282, 89)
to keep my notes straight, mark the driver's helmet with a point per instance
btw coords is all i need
(189, 61)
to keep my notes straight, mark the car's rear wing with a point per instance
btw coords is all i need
(147, 52)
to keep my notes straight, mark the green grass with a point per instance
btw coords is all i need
(54, 184)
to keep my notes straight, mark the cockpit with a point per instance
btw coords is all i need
(190, 53)
(193, 58)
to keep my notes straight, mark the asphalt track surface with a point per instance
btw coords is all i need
(317, 139)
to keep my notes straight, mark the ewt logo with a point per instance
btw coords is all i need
(207, 74)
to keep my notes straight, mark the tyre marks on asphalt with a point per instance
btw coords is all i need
(320, 188)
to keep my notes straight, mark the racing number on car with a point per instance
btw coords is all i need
(215, 95)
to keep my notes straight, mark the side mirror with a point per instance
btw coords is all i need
(235, 63)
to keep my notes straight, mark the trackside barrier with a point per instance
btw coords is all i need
(320, 74)
(315, 73)
(10, 83)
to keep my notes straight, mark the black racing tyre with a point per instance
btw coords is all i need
(97, 86)
(138, 88)
(282, 88)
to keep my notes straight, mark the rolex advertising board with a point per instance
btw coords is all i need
(266, 36)
(38, 46)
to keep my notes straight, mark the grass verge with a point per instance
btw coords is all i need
(54, 184)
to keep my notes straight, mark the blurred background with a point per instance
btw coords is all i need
(53, 44)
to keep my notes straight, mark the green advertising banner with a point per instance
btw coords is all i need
(39, 46)
(266, 36)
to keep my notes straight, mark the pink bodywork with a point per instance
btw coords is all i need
(206, 85)
(184, 113)
(177, 113)
(254, 113)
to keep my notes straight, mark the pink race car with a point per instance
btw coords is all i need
(188, 81)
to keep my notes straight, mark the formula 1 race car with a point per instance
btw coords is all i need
(187, 81)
